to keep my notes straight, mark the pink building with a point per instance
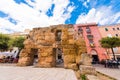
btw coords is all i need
(92, 36)
(111, 31)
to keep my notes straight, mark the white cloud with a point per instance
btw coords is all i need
(28, 17)
(102, 15)
(88, 1)
(85, 4)
(6, 26)
(118, 21)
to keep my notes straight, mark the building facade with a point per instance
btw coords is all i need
(111, 31)
(20, 34)
(91, 34)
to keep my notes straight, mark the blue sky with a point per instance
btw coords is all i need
(17, 15)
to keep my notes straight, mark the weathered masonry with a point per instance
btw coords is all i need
(53, 46)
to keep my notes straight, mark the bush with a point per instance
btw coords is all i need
(83, 77)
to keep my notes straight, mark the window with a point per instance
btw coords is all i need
(113, 28)
(116, 35)
(91, 43)
(106, 29)
(58, 35)
(80, 30)
(90, 36)
(88, 30)
(118, 29)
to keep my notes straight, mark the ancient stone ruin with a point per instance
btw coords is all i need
(54, 46)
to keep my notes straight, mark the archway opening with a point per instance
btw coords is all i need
(95, 58)
(59, 57)
(35, 56)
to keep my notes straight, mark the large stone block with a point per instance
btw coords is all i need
(40, 38)
(50, 38)
(50, 59)
(78, 59)
(69, 51)
(87, 70)
(73, 66)
(69, 58)
(68, 46)
(64, 42)
(25, 61)
(92, 77)
(44, 54)
(73, 51)
(86, 59)
(78, 74)
(71, 41)
(41, 41)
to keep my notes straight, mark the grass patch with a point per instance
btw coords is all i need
(83, 77)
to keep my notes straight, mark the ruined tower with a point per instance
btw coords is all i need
(53, 46)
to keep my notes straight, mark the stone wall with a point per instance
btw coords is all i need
(46, 40)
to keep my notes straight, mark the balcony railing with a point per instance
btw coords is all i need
(90, 36)
(92, 45)
(88, 30)
(80, 30)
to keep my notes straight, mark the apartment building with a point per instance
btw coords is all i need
(111, 31)
(91, 34)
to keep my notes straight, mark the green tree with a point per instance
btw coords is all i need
(4, 39)
(110, 42)
(17, 42)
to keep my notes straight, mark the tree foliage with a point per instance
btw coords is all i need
(4, 39)
(17, 42)
(110, 42)
(6, 42)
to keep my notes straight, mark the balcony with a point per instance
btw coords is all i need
(80, 30)
(92, 45)
(90, 36)
(88, 30)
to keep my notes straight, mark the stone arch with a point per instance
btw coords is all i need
(94, 55)
(93, 52)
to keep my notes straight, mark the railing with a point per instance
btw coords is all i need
(92, 45)
(88, 30)
(90, 36)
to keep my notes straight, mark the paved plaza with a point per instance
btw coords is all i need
(112, 72)
(31, 73)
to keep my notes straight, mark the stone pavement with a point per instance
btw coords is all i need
(112, 72)
(30, 73)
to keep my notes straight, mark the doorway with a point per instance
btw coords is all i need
(59, 57)
(35, 56)
(95, 59)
